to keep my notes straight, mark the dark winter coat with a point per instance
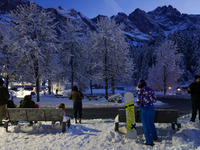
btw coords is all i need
(4, 95)
(10, 104)
(27, 103)
(76, 96)
(195, 91)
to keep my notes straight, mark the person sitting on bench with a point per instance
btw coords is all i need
(62, 105)
(27, 102)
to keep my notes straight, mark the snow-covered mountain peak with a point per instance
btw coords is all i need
(162, 20)
(165, 11)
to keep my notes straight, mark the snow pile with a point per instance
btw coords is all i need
(97, 134)
(117, 98)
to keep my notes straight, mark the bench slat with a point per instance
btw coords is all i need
(35, 114)
(55, 115)
(161, 116)
(17, 114)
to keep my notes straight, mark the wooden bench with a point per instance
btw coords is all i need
(37, 114)
(102, 95)
(90, 97)
(161, 116)
(59, 95)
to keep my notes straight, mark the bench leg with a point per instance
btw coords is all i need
(63, 126)
(116, 126)
(173, 126)
(68, 123)
(178, 126)
(6, 125)
(15, 122)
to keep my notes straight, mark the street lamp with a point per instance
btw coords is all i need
(170, 92)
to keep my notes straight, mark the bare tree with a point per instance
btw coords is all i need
(35, 31)
(8, 58)
(166, 72)
(111, 53)
(71, 56)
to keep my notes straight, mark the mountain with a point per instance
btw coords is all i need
(139, 26)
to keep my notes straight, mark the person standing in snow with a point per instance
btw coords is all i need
(77, 97)
(4, 96)
(194, 90)
(145, 100)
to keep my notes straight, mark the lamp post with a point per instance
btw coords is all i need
(170, 92)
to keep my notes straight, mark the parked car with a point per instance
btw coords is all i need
(22, 91)
(181, 90)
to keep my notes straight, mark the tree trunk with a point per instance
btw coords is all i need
(49, 86)
(72, 72)
(113, 86)
(38, 89)
(36, 67)
(106, 87)
(164, 81)
(91, 87)
(106, 70)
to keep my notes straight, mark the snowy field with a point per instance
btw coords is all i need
(52, 101)
(96, 134)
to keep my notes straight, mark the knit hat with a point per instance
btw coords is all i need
(141, 84)
(1, 81)
(197, 76)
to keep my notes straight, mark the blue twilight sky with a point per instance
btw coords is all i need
(91, 8)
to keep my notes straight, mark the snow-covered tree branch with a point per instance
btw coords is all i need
(166, 72)
(35, 32)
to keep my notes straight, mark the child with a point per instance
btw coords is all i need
(62, 105)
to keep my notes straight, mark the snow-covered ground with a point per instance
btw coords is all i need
(96, 134)
(51, 100)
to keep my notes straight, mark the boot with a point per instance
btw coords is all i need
(79, 120)
(76, 121)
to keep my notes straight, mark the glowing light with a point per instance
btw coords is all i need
(150, 32)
